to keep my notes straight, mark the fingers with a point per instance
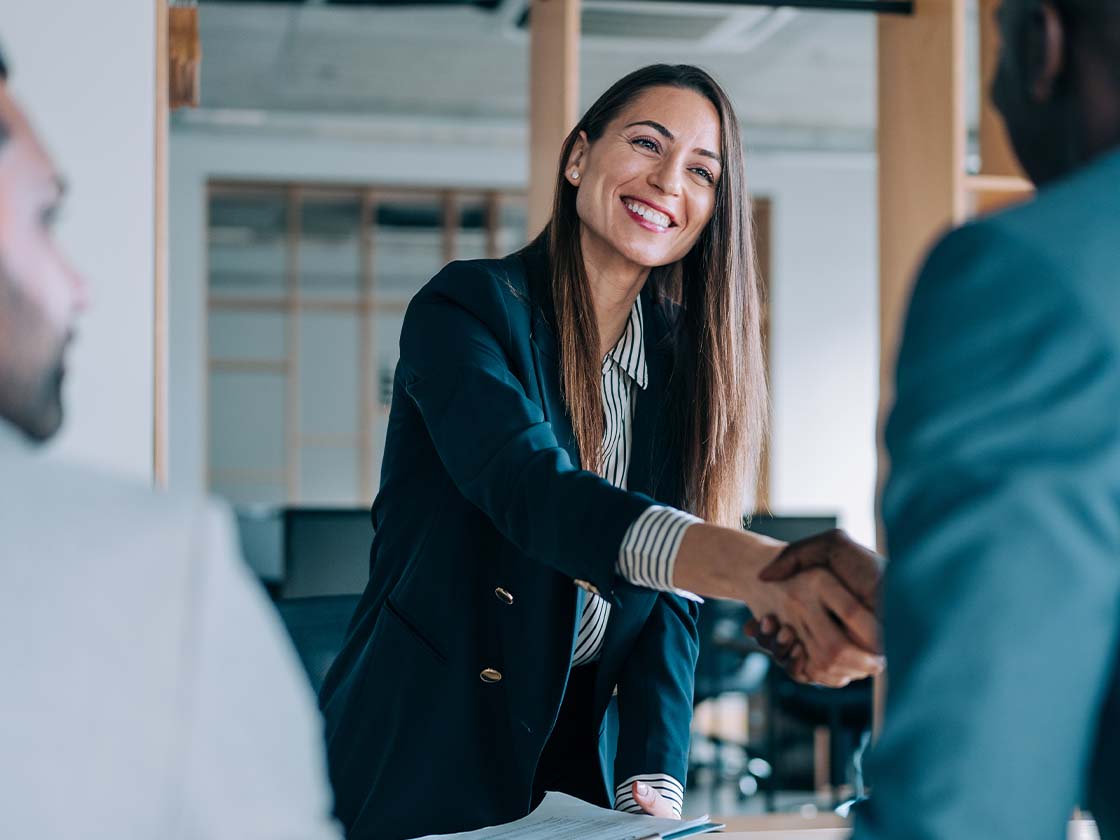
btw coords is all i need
(832, 659)
(651, 801)
(796, 666)
(771, 637)
(783, 643)
(858, 621)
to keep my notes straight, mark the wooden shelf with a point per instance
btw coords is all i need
(284, 304)
(998, 184)
(326, 441)
(993, 192)
(234, 476)
(249, 366)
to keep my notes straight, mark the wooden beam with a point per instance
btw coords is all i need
(761, 222)
(160, 268)
(553, 97)
(367, 364)
(493, 225)
(921, 156)
(996, 154)
(292, 402)
(449, 240)
(922, 136)
(183, 61)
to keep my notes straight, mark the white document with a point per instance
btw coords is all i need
(563, 817)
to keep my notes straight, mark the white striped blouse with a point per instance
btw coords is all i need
(649, 547)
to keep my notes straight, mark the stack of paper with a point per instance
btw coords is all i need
(563, 817)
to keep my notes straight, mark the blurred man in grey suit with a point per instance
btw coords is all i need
(1002, 595)
(148, 690)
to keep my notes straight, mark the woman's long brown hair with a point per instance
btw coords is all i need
(717, 394)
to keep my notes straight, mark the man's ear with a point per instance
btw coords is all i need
(1044, 51)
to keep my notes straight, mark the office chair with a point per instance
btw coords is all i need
(846, 712)
(318, 627)
(728, 663)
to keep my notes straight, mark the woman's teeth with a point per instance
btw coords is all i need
(648, 213)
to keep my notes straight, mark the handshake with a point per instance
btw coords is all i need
(814, 600)
(815, 608)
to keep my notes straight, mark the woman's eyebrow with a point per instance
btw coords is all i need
(668, 135)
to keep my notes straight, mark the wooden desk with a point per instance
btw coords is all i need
(808, 834)
(783, 822)
(829, 827)
(779, 826)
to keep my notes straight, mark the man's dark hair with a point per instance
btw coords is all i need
(3, 68)
(1099, 20)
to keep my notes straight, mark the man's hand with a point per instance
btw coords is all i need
(858, 568)
(839, 635)
(652, 802)
(781, 643)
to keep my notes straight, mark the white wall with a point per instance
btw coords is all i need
(824, 307)
(85, 72)
(825, 323)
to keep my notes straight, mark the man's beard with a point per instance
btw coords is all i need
(46, 407)
(30, 389)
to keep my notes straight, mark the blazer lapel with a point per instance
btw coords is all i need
(547, 362)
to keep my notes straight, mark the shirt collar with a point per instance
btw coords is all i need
(630, 351)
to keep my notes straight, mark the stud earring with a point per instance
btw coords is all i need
(575, 174)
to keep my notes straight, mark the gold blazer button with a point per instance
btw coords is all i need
(503, 596)
(490, 675)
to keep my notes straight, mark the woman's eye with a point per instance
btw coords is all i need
(646, 143)
(705, 174)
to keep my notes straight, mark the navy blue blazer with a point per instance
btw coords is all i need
(481, 489)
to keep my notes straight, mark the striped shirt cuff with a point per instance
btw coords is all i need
(670, 789)
(649, 549)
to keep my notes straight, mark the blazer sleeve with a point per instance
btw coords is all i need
(495, 443)
(1003, 587)
(655, 689)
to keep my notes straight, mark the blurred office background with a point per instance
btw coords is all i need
(341, 153)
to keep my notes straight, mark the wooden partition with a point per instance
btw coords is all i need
(553, 97)
(924, 186)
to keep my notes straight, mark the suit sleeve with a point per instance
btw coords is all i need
(655, 688)
(498, 448)
(255, 765)
(1003, 588)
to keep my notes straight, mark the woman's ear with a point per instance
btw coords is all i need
(1044, 52)
(573, 169)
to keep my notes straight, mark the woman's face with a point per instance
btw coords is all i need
(647, 186)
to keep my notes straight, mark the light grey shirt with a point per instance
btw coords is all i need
(148, 689)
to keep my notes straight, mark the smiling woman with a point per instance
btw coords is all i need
(562, 422)
(660, 153)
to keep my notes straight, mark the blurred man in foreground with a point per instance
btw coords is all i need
(1002, 594)
(149, 691)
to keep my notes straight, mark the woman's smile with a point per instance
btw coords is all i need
(647, 216)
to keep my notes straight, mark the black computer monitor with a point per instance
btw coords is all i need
(326, 551)
(790, 528)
